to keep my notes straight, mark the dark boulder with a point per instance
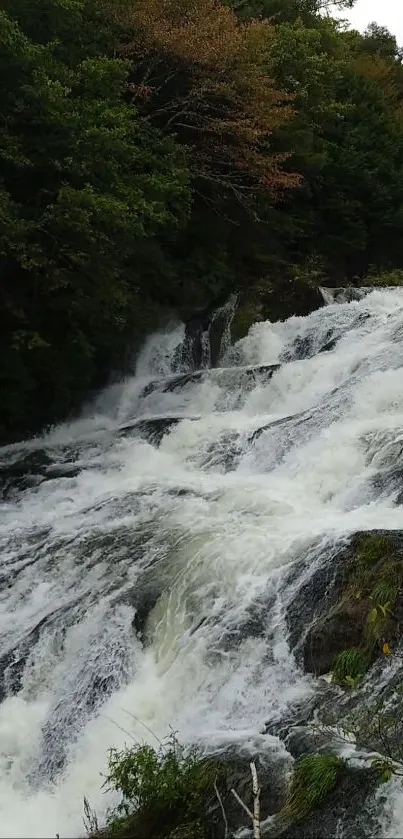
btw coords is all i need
(144, 599)
(236, 774)
(291, 296)
(27, 469)
(344, 294)
(350, 804)
(152, 429)
(204, 333)
(340, 629)
(330, 610)
(318, 580)
(30, 469)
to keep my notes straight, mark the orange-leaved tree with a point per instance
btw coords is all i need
(200, 74)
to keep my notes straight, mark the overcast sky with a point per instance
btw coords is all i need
(385, 12)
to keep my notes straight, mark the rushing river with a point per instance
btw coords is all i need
(185, 497)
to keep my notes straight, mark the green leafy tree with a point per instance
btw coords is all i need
(348, 146)
(84, 183)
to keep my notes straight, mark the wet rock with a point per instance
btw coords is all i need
(62, 470)
(271, 425)
(31, 470)
(237, 775)
(14, 486)
(319, 579)
(224, 454)
(27, 470)
(340, 629)
(196, 326)
(329, 611)
(315, 342)
(12, 663)
(235, 376)
(144, 599)
(344, 294)
(310, 739)
(349, 803)
(152, 429)
(301, 714)
(204, 333)
(172, 383)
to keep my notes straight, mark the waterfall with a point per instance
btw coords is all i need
(186, 503)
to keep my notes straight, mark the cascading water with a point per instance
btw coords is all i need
(185, 498)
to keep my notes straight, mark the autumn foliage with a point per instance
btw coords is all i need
(201, 75)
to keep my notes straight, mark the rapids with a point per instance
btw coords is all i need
(193, 492)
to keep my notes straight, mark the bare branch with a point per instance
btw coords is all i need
(242, 803)
(256, 802)
(222, 810)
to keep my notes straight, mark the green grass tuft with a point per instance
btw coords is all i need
(314, 778)
(384, 592)
(371, 548)
(349, 664)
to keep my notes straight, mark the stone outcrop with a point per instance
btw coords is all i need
(352, 601)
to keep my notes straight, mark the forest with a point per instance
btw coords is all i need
(157, 155)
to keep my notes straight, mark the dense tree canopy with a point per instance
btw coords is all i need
(83, 182)
(158, 154)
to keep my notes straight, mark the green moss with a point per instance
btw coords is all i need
(314, 778)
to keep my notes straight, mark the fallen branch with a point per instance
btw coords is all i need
(226, 834)
(255, 816)
(256, 802)
(242, 803)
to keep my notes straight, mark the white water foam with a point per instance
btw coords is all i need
(208, 521)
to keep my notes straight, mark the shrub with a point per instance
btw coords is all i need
(386, 278)
(164, 792)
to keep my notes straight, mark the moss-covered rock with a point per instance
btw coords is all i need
(340, 629)
(366, 614)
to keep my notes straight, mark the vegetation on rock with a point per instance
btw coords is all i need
(386, 278)
(349, 665)
(170, 793)
(164, 793)
(313, 778)
(366, 618)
